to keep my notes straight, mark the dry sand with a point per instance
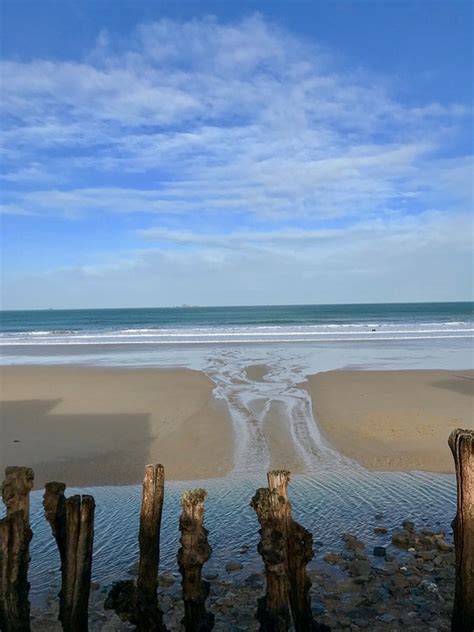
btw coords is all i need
(94, 426)
(393, 420)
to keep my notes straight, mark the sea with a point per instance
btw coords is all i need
(333, 496)
(233, 325)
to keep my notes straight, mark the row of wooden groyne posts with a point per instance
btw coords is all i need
(285, 546)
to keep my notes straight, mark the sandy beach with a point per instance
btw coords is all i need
(94, 426)
(393, 420)
(100, 426)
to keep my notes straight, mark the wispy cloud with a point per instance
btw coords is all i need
(238, 117)
(283, 157)
(400, 259)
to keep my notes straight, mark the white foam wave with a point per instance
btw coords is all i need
(250, 334)
(207, 341)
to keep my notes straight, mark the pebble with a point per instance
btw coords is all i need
(166, 580)
(333, 558)
(401, 538)
(255, 580)
(380, 551)
(387, 617)
(411, 589)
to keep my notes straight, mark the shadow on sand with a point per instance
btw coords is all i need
(462, 384)
(81, 450)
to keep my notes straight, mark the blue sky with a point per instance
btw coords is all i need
(235, 152)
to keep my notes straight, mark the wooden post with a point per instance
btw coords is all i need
(273, 611)
(138, 603)
(149, 544)
(72, 524)
(299, 552)
(15, 538)
(194, 552)
(461, 443)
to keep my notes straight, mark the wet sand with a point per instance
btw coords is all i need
(95, 426)
(393, 420)
(257, 372)
(284, 454)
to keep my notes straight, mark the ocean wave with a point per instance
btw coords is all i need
(235, 332)
(240, 334)
(242, 340)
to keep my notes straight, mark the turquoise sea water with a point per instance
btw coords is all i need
(79, 325)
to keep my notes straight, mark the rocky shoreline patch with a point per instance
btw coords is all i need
(406, 582)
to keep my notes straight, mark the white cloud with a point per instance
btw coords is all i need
(238, 124)
(204, 108)
(405, 259)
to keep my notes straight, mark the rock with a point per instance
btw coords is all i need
(225, 602)
(360, 568)
(95, 586)
(352, 543)
(429, 586)
(166, 580)
(333, 558)
(211, 576)
(408, 525)
(376, 595)
(408, 618)
(387, 618)
(380, 530)
(445, 546)
(317, 609)
(399, 582)
(360, 623)
(380, 551)
(166, 603)
(233, 566)
(390, 568)
(344, 622)
(401, 538)
(254, 580)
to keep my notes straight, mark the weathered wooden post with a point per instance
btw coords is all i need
(273, 611)
(194, 552)
(15, 537)
(138, 603)
(461, 443)
(72, 524)
(149, 543)
(299, 552)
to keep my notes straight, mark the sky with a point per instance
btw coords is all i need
(235, 152)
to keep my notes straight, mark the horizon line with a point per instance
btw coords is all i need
(185, 306)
